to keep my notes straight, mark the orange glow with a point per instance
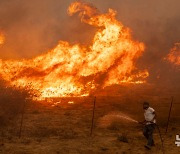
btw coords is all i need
(76, 70)
(2, 39)
(174, 55)
(70, 102)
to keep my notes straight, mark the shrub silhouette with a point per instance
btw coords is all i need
(11, 102)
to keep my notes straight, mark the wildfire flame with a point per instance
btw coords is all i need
(2, 38)
(174, 55)
(76, 70)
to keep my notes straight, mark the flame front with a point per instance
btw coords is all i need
(76, 70)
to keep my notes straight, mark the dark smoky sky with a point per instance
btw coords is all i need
(33, 27)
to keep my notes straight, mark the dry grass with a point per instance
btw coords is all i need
(66, 128)
(123, 138)
(44, 131)
(12, 101)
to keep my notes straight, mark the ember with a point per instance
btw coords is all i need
(70, 102)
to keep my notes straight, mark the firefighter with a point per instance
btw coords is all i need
(149, 124)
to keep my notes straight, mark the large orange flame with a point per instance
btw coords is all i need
(76, 70)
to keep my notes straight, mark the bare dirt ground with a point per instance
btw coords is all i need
(58, 127)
